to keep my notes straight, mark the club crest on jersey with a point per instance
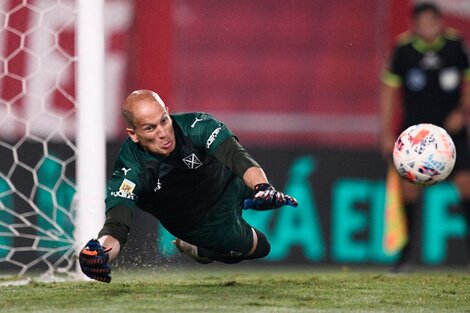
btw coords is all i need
(192, 161)
(416, 79)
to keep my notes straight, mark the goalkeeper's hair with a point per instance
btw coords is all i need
(139, 95)
(128, 117)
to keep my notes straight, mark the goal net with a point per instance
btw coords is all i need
(38, 124)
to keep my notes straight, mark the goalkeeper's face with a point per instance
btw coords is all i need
(153, 128)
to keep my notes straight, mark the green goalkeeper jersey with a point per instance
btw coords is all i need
(179, 190)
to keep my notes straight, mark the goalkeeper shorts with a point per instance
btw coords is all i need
(224, 230)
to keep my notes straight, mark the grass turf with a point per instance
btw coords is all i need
(232, 289)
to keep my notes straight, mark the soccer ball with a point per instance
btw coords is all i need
(424, 154)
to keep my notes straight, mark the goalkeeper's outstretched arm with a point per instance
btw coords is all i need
(115, 230)
(242, 164)
(94, 258)
(109, 242)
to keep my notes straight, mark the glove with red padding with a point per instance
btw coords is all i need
(94, 261)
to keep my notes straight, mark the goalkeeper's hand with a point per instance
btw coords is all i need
(267, 198)
(94, 261)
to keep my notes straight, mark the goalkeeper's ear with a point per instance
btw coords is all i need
(131, 133)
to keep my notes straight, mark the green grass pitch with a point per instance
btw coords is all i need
(247, 289)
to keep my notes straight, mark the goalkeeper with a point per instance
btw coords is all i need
(189, 171)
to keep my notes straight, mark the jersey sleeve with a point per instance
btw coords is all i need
(464, 62)
(206, 131)
(391, 76)
(123, 187)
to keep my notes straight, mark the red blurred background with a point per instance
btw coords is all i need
(279, 73)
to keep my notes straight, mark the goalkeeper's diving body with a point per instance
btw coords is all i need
(191, 173)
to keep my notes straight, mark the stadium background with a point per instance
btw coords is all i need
(297, 81)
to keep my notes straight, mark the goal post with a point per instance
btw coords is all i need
(91, 135)
(52, 133)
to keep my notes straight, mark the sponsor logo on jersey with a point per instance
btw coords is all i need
(125, 170)
(431, 61)
(416, 79)
(159, 186)
(127, 186)
(233, 254)
(125, 190)
(121, 194)
(195, 121)
(449, 79)
(192, 161)
(212, 137)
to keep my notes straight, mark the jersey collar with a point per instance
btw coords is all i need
(422, 46)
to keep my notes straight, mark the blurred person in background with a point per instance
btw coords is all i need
(190, 172)
(429, 73)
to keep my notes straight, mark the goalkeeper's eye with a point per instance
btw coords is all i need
(164, 121)
(149, 128)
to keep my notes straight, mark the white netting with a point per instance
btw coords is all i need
(37, 129)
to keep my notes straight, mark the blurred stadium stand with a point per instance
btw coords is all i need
(278, 72)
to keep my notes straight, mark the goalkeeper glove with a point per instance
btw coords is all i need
(94, 261)
(267, 198)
